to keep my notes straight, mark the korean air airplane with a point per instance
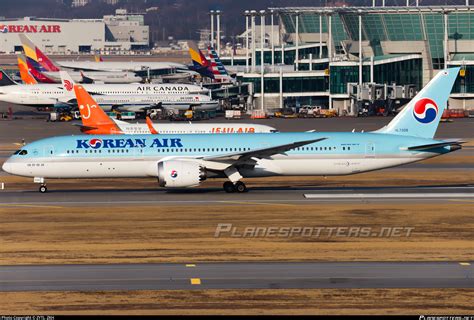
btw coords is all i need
(187, 160)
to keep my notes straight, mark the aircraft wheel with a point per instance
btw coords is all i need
(229, 187)
(43, 189)
(240, 187)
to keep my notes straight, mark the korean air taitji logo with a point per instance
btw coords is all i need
(174, 174)
(425, 110)
(95, 143)
(3, 28)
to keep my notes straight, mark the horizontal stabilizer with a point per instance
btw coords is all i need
(84, 128)
(436, 145)
(5, 80)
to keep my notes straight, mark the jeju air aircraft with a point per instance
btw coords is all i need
(187, 160)
(96, 122)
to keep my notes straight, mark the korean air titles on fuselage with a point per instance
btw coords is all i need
(118, 143)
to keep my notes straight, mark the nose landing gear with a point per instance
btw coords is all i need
(42, 183)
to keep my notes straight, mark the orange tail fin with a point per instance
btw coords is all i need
(93, 117)
(149, 123)
(25, 75)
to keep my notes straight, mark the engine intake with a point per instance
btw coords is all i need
(180, 174)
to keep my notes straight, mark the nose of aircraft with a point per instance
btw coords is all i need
(7, 167)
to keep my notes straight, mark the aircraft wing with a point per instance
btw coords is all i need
(84, 127)
(244, 157)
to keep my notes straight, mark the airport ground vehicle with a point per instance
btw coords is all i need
(316, 112)
(285, 113)
(180, 161)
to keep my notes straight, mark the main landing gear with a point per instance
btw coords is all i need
(239, 187)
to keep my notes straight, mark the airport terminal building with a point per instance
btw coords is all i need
(350, 57)
(113, 34)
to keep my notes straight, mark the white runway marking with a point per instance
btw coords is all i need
(388, 195)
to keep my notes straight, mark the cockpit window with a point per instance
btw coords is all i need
(274, 131)
(23, 153)
(17, 152)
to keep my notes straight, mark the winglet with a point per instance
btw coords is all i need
(149, 123)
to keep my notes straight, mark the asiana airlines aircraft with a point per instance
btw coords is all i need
(187, 160)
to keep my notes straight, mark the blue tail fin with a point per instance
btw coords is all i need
(5, 80)
(421, 116)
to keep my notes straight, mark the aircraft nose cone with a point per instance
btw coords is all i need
(7, 167)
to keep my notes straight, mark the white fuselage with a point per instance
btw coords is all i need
(138, 166)
(51, 94)
(131, 66)
(123, 156)
(171, 101)
(193, 128)
(98, 76)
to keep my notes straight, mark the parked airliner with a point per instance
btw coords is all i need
(96, 121)
(186, 160)
(140, 102)
(43, 95)
(104, 71)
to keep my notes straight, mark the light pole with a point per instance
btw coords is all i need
(297, 40)
(272, 39)
(360, 48)
(218, 36)
(212, 28)
(247, 31)
(253, 14)
(262, 61)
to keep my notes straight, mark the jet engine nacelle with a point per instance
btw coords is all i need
(180, 174)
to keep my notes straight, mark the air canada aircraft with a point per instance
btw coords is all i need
(140, 102)
(96, 121)
(45, 94)
(187, 160)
